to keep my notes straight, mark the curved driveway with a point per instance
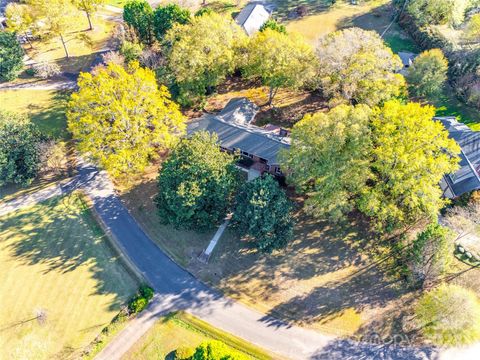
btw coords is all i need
(178, 290)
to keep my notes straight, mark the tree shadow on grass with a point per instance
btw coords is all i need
(62, 234)
(284, 8)
(52, 121)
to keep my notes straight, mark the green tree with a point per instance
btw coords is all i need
(139, 15)
(356, 66)
(472, 31)
(19, 149)
(329, 159)
(438, 12)
(122, 118)
(449, 315)
(203, 53)
(431, 254)
(263, 213)
(166, 16)
(196, 183)
(56, 18)
(11, 56)
(89, 7)
(279, 60)
(411, 153)
(272, 24)
(428, 73)
(216, 350)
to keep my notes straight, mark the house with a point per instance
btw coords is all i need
(258, 147)
(252, 17)
(407, 60)
(467, 177)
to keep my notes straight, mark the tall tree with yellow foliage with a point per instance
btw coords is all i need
(122, 119)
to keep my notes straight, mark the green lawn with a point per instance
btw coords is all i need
(55, 260)
(117, 3)
(183, 330)
(46, 108)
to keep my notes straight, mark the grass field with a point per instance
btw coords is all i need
(46, 108)
(55, 261)
(183, 330)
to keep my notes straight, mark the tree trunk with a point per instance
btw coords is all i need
(89, 21)
(28, 40)
(271, 95)
(64, 46)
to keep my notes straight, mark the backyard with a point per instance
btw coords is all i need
(182, 330)
(58, 291)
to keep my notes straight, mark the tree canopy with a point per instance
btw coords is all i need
(139, 15)
(11, 56)
(19, 149)
(472, 31)
(428, 73)
(55, 17)
(279, 60)
(449, 315)
(263, 213)
(438, 12)
(196, 183)
(356, 66)
(165, 17)
(203, 53)
(122, 118)
(411, 153)
(274, 25)
(329, 157)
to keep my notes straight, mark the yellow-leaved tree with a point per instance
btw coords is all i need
(122, 119)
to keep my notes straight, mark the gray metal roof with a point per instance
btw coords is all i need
(407, 57)
(252, 17)
(466, 178)
(242, 136)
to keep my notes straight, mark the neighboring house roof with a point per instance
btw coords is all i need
(466, 178)
(242, 136)
(407, 58)
(252, 17)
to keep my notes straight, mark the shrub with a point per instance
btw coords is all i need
(53, 157)
(274, 25)
(19, 155)
(141, 299)
(146, 291)
(11, 56)
(216, 350)
(449, 315)
(184, 353)
(130, 51)
(46, 70)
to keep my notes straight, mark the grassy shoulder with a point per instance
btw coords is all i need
(184, 330)
(58, 291)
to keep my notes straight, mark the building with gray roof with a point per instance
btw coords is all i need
(236, 134)
(466, 178)
(252, 17)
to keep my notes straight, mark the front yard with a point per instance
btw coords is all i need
(323, 279)
(60, 281)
